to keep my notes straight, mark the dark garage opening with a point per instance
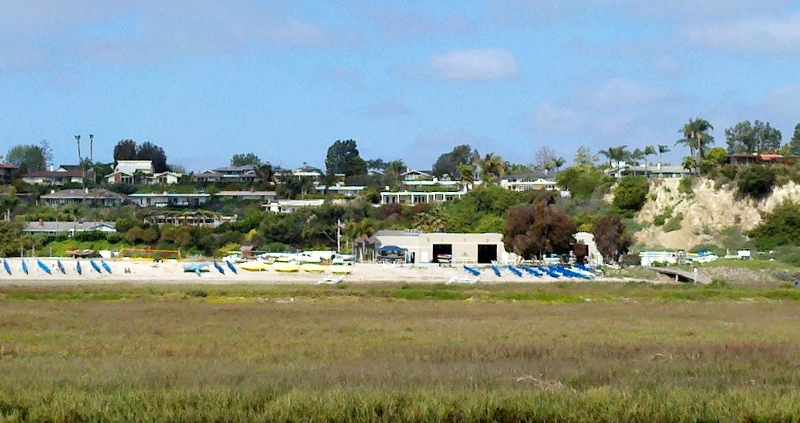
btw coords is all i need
(487, 253)
(442, 250)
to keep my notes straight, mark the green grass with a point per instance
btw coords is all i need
(579, 352)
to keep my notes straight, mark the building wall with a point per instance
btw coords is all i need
(464, 246)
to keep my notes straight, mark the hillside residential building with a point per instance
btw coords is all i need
(537, 181)
(420, 197)
(91, 197)
(71, 228)
(248, 195)
(290, 206)
(7, 171)
(654, 170)
(166, 199)
(246, 173)
(138, 172)
(197, 218)
(53, 177)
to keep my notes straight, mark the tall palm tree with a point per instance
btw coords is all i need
(618, 154)
(558, 162)
(493, 168)
(661, 150)
(696, 137)
(648, 151)
(606, 154)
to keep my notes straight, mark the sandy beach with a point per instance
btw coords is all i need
(172, 272)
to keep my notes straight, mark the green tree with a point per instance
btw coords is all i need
(30, 157)
(493, 168)
(756, 138)
(631, 193)
(343, 157)
(696, 137)
(150, 151)
(582, 181)
(792, 148)
(755, 180)
(447, 164)
(532, 230)
(648, 151)
(777, 228)
(245, 160)
(584, 157)
(609, 234)
(124, 150)
(616, 155)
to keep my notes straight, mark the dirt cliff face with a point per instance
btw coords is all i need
(706, 212)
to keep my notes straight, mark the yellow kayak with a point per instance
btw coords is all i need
(312, 268)
(285, 267)
(255, 266)
(341, 270)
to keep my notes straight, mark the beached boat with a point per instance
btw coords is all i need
(312, 268)
(254, 266)
(285, 267)
(341, 270)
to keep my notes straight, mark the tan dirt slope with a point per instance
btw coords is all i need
(705, 212)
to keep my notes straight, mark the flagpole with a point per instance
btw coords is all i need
(338, 236)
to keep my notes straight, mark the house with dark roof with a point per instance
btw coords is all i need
(246, 173)
(7, 171)
(91, 197)
(53, 177)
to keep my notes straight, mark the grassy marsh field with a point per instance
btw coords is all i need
(566, 352)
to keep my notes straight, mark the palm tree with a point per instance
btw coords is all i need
(618, 154)
(558, 162)
(696, 136)
(493, 168)
(648, 151)
(661, 150)
(607, 155)
(636, 156)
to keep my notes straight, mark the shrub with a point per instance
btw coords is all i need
(631, 193)
(661, 219)
(755, 181)
(781, 227)
(685, 186)
(674, 223)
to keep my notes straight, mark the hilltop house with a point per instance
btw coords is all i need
(137, 172)
(246, 173)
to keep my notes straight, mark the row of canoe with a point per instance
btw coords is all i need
(258, 266)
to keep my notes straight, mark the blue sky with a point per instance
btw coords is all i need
(207, 79)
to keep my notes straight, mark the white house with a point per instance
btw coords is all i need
(420, 197)
(136, 172)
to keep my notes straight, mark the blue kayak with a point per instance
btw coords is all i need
(44, 267)
(232, 267)
(24, 267)
(218, 267)
(61, 267)
(105, 266)
(95, 266)
(6, 266)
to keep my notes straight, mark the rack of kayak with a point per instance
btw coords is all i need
(48, 267)
(577, 271)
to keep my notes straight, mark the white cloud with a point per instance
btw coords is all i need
(388, 108)
(474, 65)
(40, 33)
(618, 93)
(777, 35)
